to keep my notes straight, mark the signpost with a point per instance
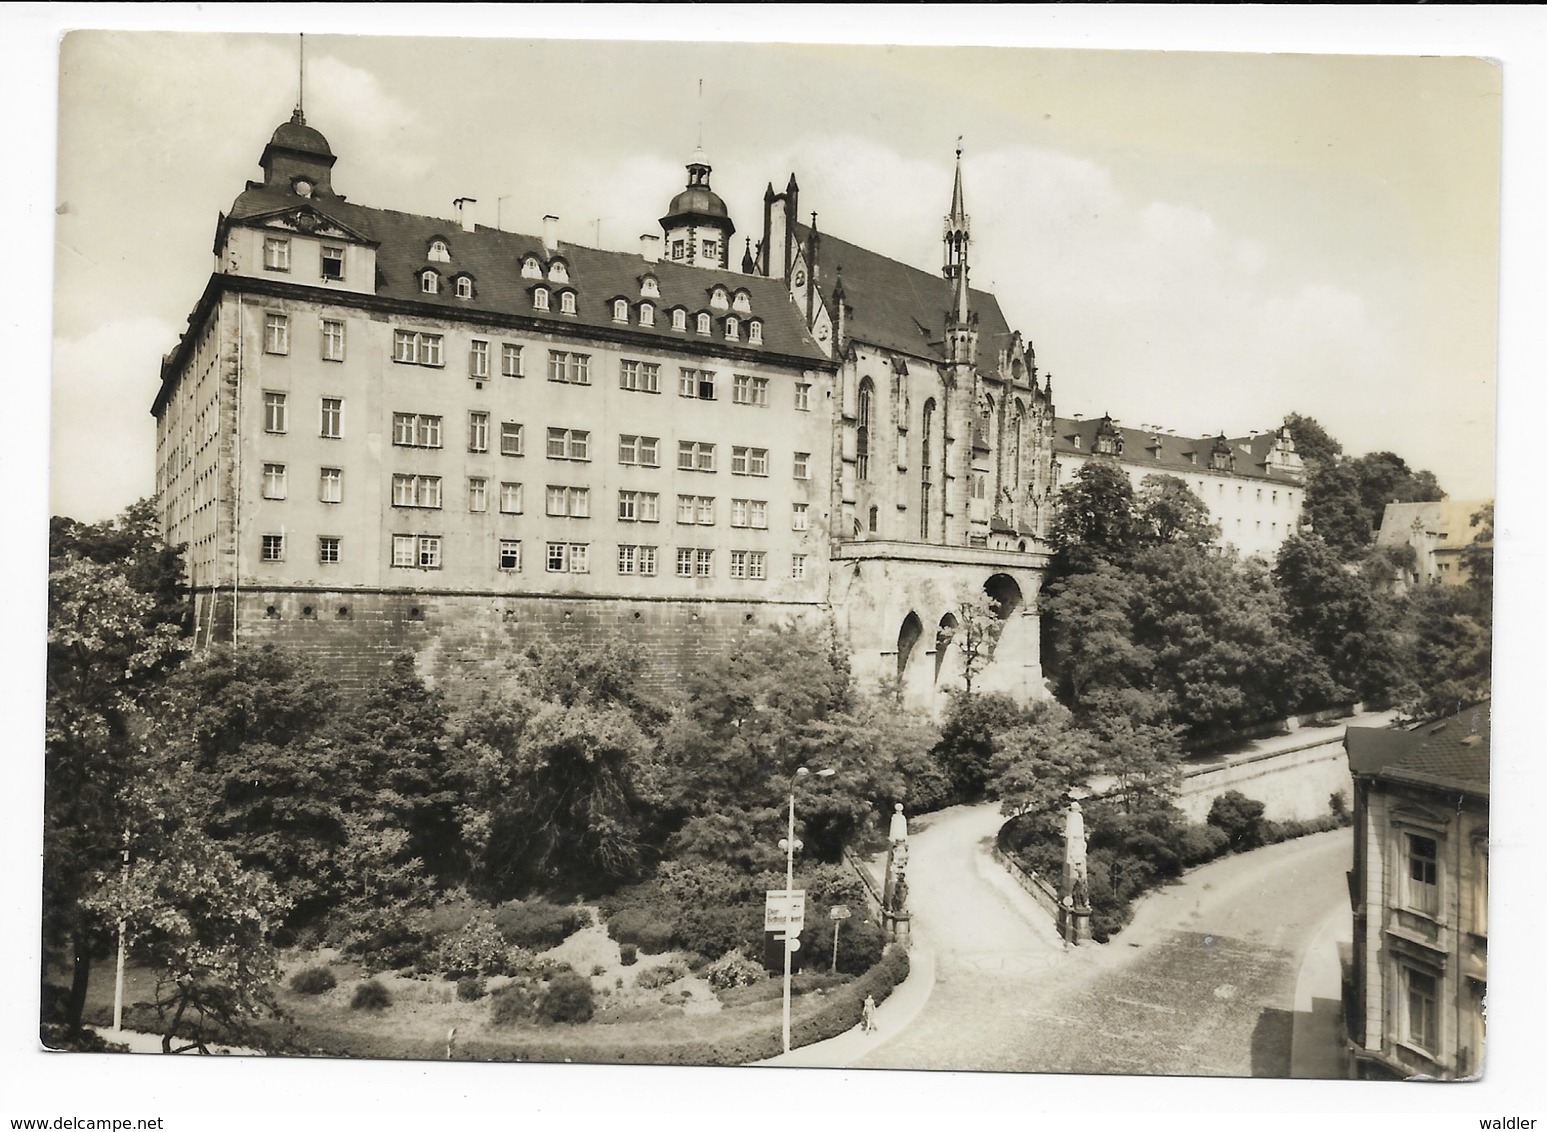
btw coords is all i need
(837, 913)
(785, 911)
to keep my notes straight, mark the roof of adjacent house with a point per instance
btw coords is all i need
(898, 307)
(1166, 453)
(1448, 754)
(493, 259)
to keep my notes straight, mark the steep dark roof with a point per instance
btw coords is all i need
(1251, 452)
(493, 258)
(898, 307)
(1448, 754)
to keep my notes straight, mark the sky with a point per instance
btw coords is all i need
(1201, 242)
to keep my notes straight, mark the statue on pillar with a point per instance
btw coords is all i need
(1076, 881)
(895, 894)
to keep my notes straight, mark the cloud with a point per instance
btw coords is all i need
(103, 436)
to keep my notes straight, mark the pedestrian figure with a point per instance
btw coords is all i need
(869, 1023)
(451, 1042)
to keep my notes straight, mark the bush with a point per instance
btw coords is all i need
(733, 969)
(642, 927)
(1240, 817)
(539, 925)
(477, 949)
(1202, 843)
(313, 980)
(370, 995)
(652, 978)
(714, 929)
(569, 999)
(470, 988)
(628, 954)
(514, 1002)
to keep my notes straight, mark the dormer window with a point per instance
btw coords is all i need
(620, 310)
(530, 268)
(649, 287)
(566, 302)
(755, 332)
(558, 272)
(540, 298)
(646, 314)
(703, 322)
(733, 329)
(742, 302)
(679, 319)
(429, 282)
(464, 287)
(439, 252)
(718, 299)
(332, 262)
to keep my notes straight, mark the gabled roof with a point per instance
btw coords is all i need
(1171, 456)
(1449, 754)
(494, 258)
(898, 307)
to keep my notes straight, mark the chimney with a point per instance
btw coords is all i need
(465, 214)
(550, 233)
(650, 248)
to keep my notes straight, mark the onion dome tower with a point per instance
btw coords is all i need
(697, 225)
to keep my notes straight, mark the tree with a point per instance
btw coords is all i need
(1347, 617)
(1314, 446)
(978, 626)
(257, 729)
(1035, 765)
(114, 630)
(1478, 555)
(567, 807)
(1090, 629)
(1169, 514)
(1144, 758)
(968, 737)
(1096, 516)
(1334, 509)
(202, 922)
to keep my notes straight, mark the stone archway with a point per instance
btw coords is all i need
(944, 635)
(907, 640)
(1017, 652)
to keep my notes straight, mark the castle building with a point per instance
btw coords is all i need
(1415, 992)
(384, 431)
(1253, 486)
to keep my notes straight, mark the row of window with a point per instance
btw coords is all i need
(423, 552)
(276, 257)
(426, 430)
(423, 348)
(424, 491)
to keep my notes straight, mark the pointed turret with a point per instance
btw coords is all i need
(748, 263)
(961, 334)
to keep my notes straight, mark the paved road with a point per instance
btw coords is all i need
(1202, 983)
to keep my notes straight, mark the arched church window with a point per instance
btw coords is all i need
(862, 437)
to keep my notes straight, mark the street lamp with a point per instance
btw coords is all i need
(789, 845)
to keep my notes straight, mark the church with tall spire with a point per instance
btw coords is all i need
(942, 448)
